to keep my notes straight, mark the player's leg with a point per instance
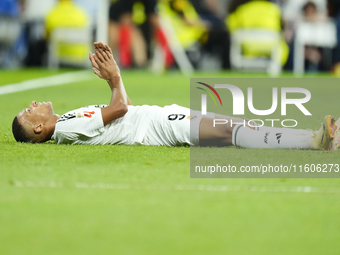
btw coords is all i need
(287, 138)
(213, 134)
(243, 136)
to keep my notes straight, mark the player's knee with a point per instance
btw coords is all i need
(227, 135)
(223, 136)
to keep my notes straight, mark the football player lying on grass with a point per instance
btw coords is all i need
(122, 123)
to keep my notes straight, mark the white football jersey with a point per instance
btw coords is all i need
(149, 125)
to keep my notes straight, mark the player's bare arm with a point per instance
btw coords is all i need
(105, 47)
(105, 67)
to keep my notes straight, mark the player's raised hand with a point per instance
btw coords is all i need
(95, 65)
(100, 45)
(104, 65)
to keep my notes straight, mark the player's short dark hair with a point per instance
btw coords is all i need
(308, 5)
(19, 132)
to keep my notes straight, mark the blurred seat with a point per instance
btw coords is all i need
(266, 43)
(320, 34)
(69, 46)
(9, 29)
(256, 41)
(68, 35)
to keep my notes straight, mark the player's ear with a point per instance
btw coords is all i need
(38, 128)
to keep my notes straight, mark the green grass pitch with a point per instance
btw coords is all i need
(141, 200)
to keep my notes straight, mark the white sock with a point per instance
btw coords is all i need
(285, 139)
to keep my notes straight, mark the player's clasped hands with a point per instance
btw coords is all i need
(104, 65)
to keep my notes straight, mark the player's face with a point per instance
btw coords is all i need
(36, 113)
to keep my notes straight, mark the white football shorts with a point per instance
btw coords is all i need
(174, 125)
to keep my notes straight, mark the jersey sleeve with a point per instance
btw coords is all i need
(79, 125)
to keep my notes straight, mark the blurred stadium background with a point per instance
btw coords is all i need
(293, 35)
(141, 200)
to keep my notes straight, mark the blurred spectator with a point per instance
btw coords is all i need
(208, 11)
(34, 15)
(206, 34)
(217, 45)
(292, 14)
(130, 30)
(311, 12)
(185, 20)
(259, 14)
(10, 31)
(334, 11)
(291, 9)
(66, 14)
(312, 54)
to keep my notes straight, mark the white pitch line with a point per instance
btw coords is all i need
(180, 187)
(55, 80)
